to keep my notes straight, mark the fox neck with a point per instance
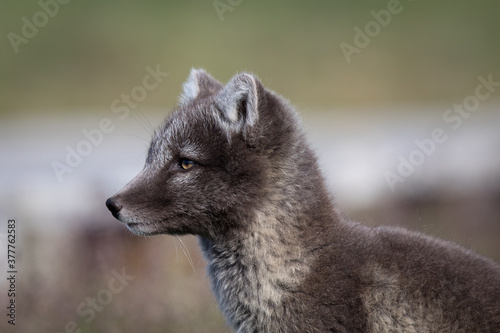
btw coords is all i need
(254, 272)
(251, 276)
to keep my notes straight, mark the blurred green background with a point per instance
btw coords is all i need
(65, 78)
(91, 51)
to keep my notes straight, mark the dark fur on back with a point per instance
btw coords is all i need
(280, 257)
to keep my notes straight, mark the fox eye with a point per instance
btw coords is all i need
(186, 164)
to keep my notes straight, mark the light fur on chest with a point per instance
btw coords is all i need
(252, 277)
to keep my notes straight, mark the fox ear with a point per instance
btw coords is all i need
(199, 85)
(238, 101)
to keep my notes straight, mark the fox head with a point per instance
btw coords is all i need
(217, 156)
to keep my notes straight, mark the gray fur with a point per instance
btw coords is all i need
(238, 102)
(280, 257)
(198, 84)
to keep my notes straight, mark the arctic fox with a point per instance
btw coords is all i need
(232, 165)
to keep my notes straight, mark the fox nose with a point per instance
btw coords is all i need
(114, 206)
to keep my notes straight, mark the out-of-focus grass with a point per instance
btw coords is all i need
(64, 283)
(91, 51)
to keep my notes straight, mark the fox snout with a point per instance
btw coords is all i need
(117, 209)
(114, 206)
(125, 209)
(124, 201)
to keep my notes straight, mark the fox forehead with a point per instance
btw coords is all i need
(186, 133)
